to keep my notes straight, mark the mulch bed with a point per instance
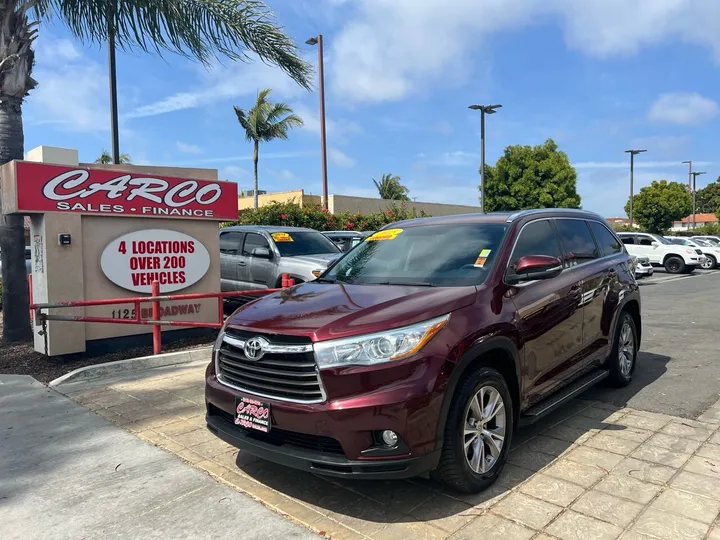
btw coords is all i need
(21, 358)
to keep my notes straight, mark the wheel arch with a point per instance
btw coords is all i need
(499, 353)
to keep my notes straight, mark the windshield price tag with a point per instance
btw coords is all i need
(388, 234)
(282, 237)
(482, 258)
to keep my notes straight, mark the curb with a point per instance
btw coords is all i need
(122, 367)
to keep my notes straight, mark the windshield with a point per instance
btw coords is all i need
(680, 241)
(712, 241)
(431, 255)
(703, 243)
(660, 239)
(293, 243)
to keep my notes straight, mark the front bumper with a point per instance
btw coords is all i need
(318, 462)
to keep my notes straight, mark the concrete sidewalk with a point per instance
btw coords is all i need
(66, 472)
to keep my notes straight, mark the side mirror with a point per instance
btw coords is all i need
(654, 244)
(532, 267)
(262, 253)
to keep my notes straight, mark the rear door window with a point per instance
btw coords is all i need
(607, 241)
(577, 241)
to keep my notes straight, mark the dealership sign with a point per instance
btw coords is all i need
(174, 259)
(52, 188)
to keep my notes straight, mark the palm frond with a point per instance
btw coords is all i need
(197, 29)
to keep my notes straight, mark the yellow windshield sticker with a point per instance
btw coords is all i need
(387, 234)
(482, 258)
(282, 237)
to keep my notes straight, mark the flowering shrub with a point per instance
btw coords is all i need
(315, 217)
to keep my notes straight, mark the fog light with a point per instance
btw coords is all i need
(390, 438)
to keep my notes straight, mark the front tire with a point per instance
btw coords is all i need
(478, 432)
(623, 355)
(711, 262)
(674, 265)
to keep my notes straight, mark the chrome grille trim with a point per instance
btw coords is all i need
(271, 349)
(268, 377)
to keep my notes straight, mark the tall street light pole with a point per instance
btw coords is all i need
(318, 40)
(694, 178)
(632, 153)
(484, 109)
(112, 72)
(690, 176)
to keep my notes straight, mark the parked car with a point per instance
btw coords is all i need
(346, 240)
(424, 347)
(710, 253)
(641, 266)
(255, 257)
(714, 240)
(661, 252)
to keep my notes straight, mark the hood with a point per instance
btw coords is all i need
(321, 259)
(323, 311)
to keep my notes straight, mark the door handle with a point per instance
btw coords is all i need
(241, 264)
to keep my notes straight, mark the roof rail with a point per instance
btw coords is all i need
(522, 213)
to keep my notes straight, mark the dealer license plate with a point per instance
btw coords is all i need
(252, 414)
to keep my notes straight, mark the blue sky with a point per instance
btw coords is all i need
(598, 77)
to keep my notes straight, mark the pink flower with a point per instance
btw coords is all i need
(283, 216)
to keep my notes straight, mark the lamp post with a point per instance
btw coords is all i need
(694, 178)
(484, 109)
(632, 153)
(318, 40)
(690, 176)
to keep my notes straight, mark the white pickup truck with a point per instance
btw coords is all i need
(661, 252)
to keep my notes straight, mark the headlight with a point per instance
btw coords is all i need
(370, 349)
(690, 251)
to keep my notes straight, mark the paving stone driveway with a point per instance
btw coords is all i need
(589, 472)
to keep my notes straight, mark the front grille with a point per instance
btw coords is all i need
(280, 437)
(286, 372)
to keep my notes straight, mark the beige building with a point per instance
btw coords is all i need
(347, 203)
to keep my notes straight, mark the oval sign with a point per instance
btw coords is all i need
(134, 260)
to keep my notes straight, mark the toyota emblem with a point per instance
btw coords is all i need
(255, 348)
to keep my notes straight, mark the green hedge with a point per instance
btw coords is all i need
(314, 217)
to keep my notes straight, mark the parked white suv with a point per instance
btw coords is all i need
(661, 252)
(711, 252)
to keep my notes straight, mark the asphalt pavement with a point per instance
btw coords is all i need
(678, 369)
(67, 473)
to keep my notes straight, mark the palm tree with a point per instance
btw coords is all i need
(390, 187)
(105, 158)
(263, 123)
(197, 29)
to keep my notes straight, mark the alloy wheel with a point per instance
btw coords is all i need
(707, 264)
(484, 429)
(626, 349)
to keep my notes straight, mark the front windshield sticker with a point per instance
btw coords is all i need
(482, 258)
(282, 237)
(388, 234)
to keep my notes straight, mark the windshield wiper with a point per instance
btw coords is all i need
(325, 280)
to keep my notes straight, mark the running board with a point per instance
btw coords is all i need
(549, 404)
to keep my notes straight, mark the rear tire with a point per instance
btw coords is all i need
(623, 356)
(477, 435)
(674, 265)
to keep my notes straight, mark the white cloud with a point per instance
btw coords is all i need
(450, 159)
(337, 128)
(248, 157)
(340, 159)
(187, 148)
(72, 90)
(233, 173)
(393, 48)
(283, 174)
(684, 108)
(639, 164)
(221, 82)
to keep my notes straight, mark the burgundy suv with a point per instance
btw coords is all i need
(426, 345)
